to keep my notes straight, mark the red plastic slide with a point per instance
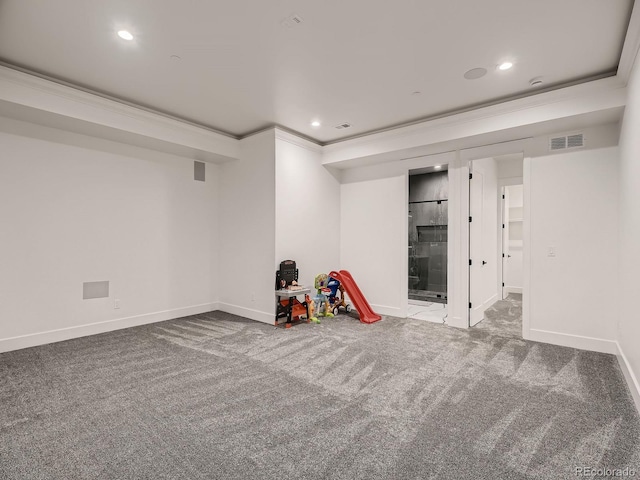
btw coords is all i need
(357, 298)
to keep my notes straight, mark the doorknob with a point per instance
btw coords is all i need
(483, 262)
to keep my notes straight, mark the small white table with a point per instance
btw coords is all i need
(290, 295)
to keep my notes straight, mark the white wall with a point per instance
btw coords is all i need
(247, 230)
(374, 229)
(374, 241)
(396, 168)
(571, 202)
(510, 167)
(629, 253)
(307, 209)
(516, 197)
(92, 210)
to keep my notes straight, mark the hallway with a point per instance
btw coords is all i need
(504, 317)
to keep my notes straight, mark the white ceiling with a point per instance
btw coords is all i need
(356, 61)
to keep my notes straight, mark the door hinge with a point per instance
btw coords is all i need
(503, 284)
(503, 196)
(470, 176)
(470, 262)
(470, 219)
(470, 305)
(503, 225)
(503, 255)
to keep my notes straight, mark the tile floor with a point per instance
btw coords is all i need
(428, 311)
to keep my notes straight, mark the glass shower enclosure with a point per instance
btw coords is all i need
(428, 236)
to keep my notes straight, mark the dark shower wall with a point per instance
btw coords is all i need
(428, 235)
(429, 186)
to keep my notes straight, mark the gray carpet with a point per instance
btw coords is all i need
(215, 396)
(503, 317)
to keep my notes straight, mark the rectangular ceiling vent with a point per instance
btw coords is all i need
(291, 21)
(343, 125)
(569, 141)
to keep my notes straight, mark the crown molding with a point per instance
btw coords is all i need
(294, 139)
(630, 47)
(52, 82)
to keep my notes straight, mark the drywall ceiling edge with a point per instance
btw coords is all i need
(42, 94)
(597, 96)
(53, 98)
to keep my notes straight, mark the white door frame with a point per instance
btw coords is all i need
(448, 158)
(459, 184)
(458, 245)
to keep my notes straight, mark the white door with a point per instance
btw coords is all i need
(484, 238)
(476, 247)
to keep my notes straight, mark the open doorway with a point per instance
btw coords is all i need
(496, 244)
(428, 240)
(512, 240)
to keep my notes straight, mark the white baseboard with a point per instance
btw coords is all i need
(629, 375)
(490, 301)
(513, 290)
(390, 311)
(574, 341)
(264, 317)
(457, 322)
(52, 336)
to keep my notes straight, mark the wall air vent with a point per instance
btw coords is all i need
(343, 125)
(558, 143)
(569, 141)
(575, 141)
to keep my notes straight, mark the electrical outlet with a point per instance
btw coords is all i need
(116, 303)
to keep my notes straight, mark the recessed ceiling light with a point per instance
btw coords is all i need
(416, 93)
(505, 66)
(437, 167)
(315, 123)
(125, 35)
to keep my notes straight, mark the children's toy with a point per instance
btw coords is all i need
(336, 301)
(287, 289)
(321, 299)
(312, 309)
(366, 313)
(287, 274)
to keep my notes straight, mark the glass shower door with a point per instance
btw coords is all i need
(428, 236)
